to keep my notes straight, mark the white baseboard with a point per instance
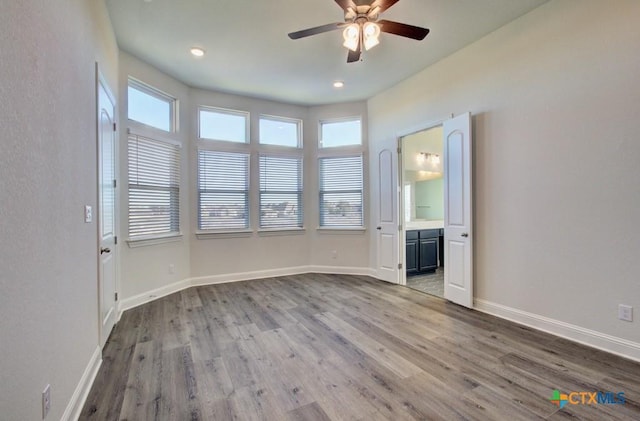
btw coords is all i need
(341, 270)
(612, 344)
(136, 300)
(74, 407)
(592, 338)
(148, 296)
(246, 276)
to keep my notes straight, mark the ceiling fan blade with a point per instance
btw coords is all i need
(346, 4)
(383, 4)
(402, 29)
(355, 55)
(316, 30)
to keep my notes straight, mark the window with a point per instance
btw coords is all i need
(154, 188)
(149, 106)
(223, 190)
(341, 192)
(280, 192)
(340, 133)
(280, 131)
(225, 125)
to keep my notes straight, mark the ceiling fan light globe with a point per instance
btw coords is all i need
(370, 43)
(371, 29)
(351, 35)
(370, 32)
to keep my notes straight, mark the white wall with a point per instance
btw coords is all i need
(351, 248)
(555, 99)
(145, 269)
(219, 256)
(48, 172)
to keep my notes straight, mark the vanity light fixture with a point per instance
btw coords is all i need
(432, 158)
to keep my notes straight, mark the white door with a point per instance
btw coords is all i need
(387, 228)
(458, 235)
(106, 209)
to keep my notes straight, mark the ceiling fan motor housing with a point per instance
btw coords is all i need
(360, 14)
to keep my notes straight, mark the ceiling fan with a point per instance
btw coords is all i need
(362, 27)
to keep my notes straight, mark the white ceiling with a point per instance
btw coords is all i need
(249, 52)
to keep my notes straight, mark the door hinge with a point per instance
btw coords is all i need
(115, 239)
(399, 227)
(114, 126)
(116, 296)
(399, 265)
(399, 150)
(114, 184)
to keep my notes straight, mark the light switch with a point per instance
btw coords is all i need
(88, 214)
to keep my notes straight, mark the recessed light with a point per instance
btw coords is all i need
(197, 51)
(338, 84)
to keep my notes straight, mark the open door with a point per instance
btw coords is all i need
(107, 256)
(458, 235)
(387, 228)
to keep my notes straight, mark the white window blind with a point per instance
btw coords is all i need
(154, 187)
(341, 192)
(280, 192)
(223, 190)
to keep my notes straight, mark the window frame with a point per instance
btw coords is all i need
(299, 131)
(204, 232)
(171, 235)
(299, 193)
(353, 146)
(362, 226)
(225, 111)
(160, 95)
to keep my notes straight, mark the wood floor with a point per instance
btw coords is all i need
(334, 347)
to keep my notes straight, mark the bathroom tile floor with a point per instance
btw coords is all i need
(431, 283)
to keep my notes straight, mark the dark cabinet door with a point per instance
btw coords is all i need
(412, 256)
(428, 254)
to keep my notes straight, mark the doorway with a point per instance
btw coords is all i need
(107, 207)
(423, 210)
(455, 247)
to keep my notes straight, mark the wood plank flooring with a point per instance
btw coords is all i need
(335, 347)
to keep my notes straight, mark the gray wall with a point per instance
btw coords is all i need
(554, 97)
(48, 172)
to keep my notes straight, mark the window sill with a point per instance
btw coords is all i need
(341, 230)
(206, 235)
(152, 241)
(272, 232)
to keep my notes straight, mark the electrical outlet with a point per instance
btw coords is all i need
(46, 401)
(334, 254)
(172, 269)
(625, 312)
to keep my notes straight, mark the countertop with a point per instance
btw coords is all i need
(423, 225)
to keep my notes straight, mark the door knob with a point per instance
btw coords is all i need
(464, 234)
(378, 228)
(105, 250)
